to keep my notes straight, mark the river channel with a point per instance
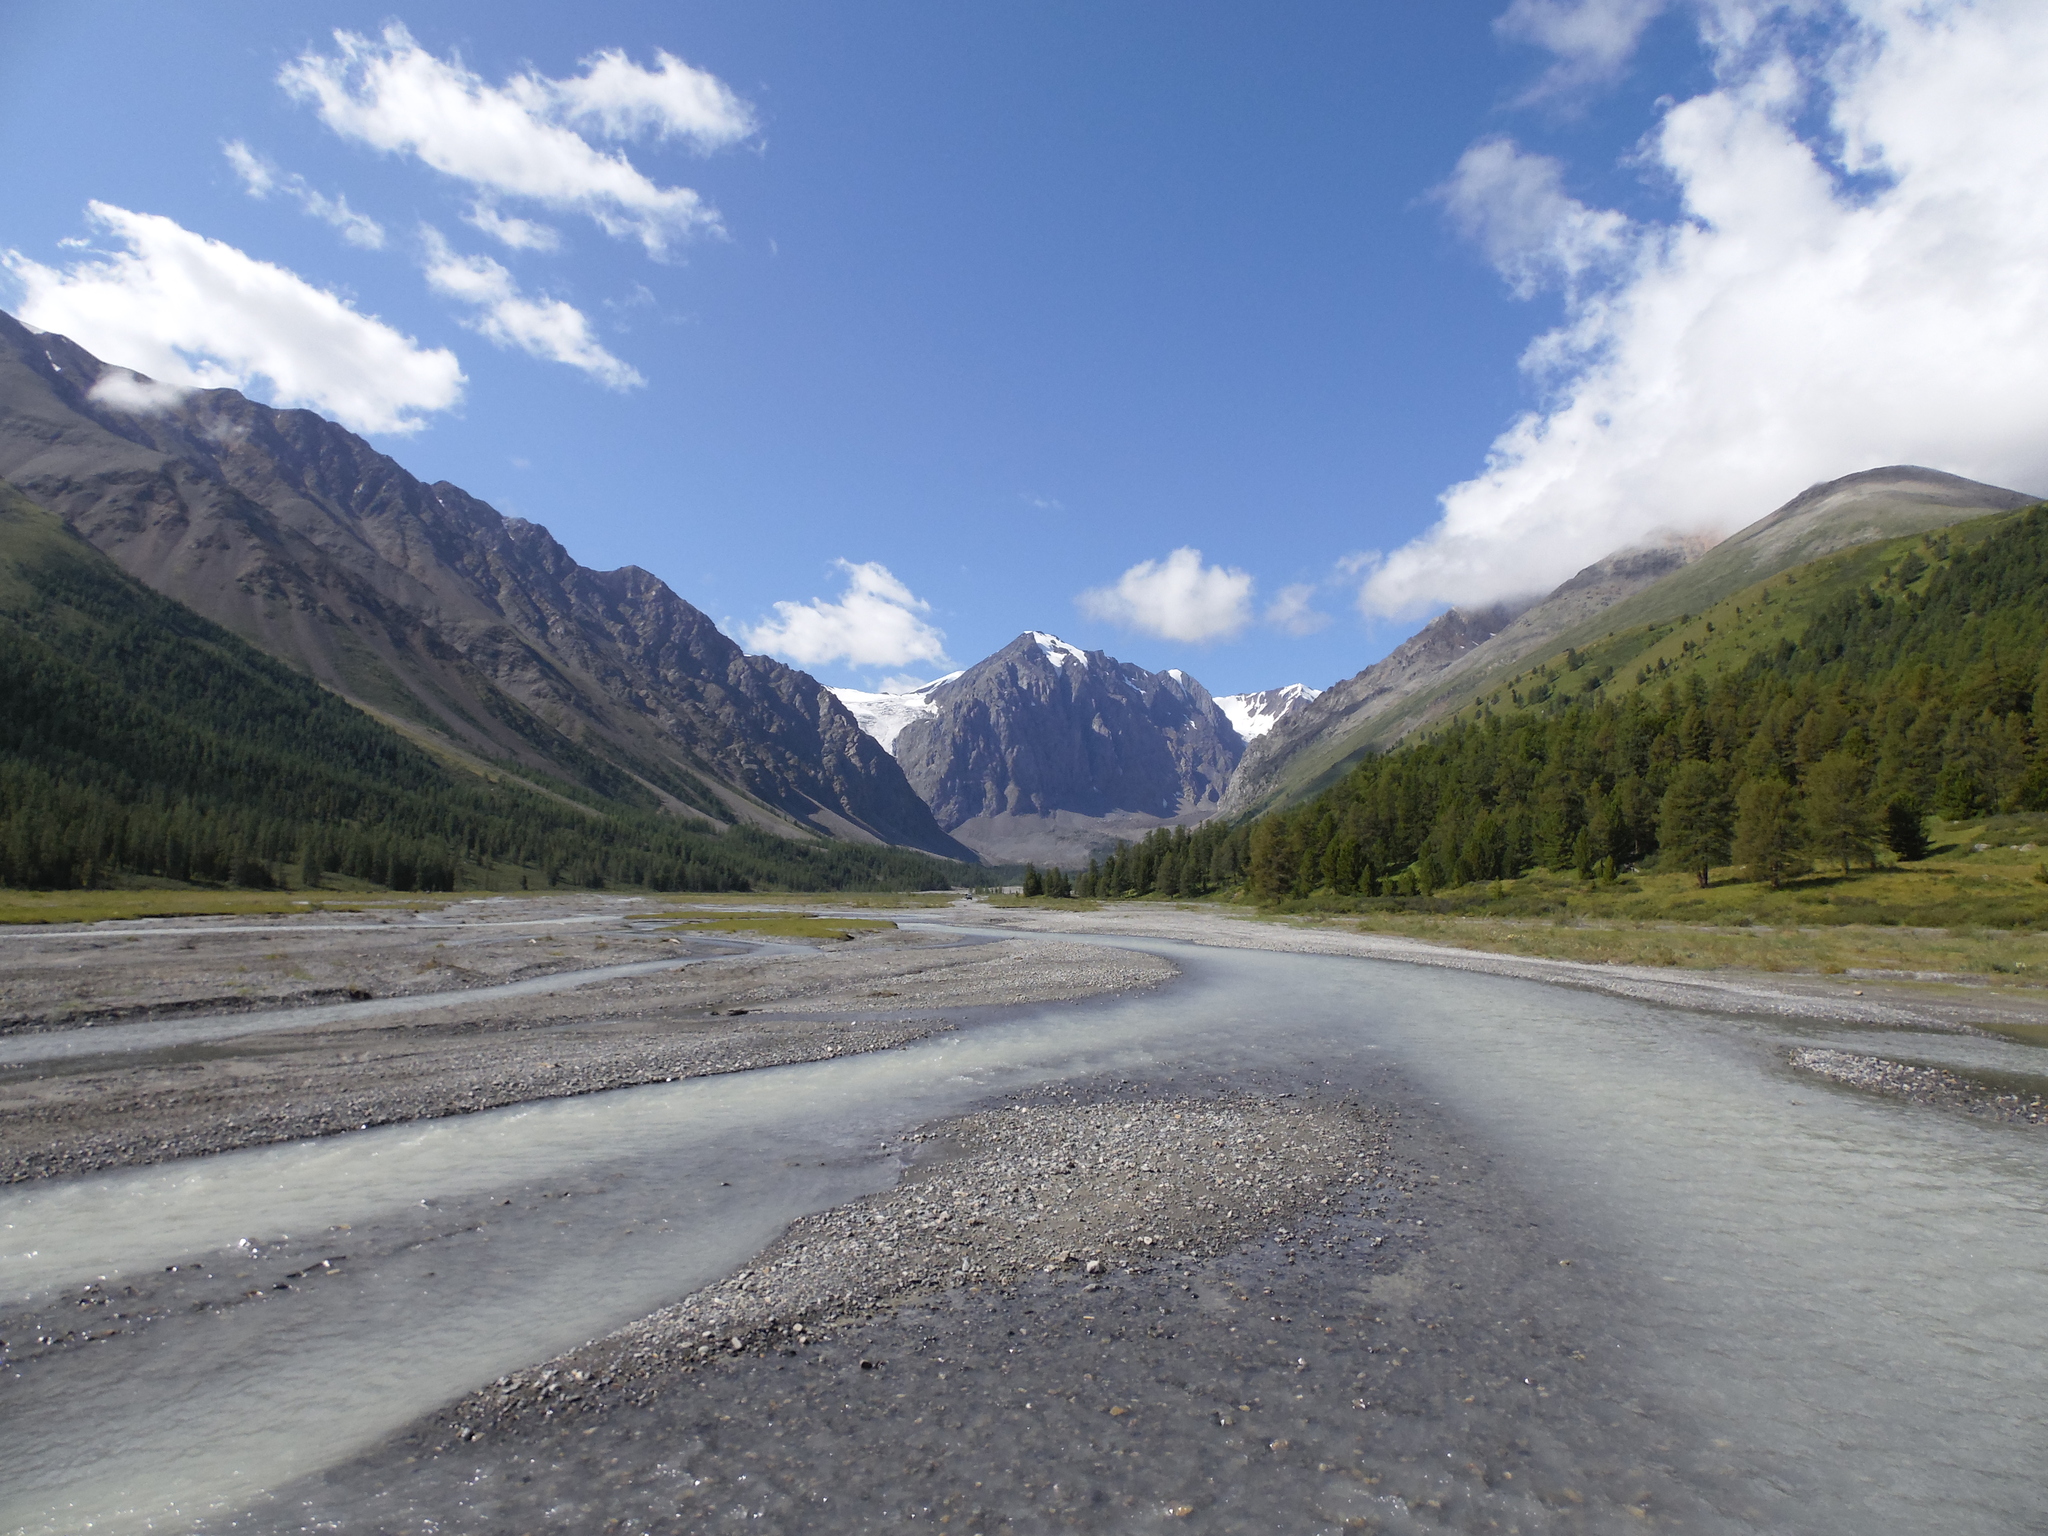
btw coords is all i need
(1816, 1310)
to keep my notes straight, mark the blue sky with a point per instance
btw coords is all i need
(979, 314)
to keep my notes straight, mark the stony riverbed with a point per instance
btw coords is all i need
(732, 1012)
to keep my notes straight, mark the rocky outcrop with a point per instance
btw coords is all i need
(1045, 751)
(476, 632)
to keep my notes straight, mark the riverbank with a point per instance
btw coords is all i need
(729, 1011)
(1946, 1002)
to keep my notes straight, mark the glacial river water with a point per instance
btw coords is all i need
(1848, 1296)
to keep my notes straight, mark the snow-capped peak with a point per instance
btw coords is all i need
(1254, 714)
(1057, 651)
(883, 715)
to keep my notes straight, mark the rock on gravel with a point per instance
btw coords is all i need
(1923, 1085)
(1073, 1190)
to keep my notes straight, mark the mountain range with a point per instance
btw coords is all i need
(1045, 751)
(480, 639)
(469, 631)
(1461, 654)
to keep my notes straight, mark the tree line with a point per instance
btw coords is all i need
(1923, 692)
(139, 739)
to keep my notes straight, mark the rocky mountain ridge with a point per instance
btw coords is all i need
(1045, 751)
(473, 632)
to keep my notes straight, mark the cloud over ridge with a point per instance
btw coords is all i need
(1871, 293)
(876, 622)
(1178, 598)
(193, 311)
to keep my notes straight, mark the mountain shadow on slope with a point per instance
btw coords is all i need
(138, 738)
(421, 603)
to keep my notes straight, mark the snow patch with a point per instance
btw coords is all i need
(1057, 651)
(883, 715)
(1254, 714)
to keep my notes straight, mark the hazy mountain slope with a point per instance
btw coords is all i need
(1045, 752)
(1625, 590)
(138, 738)
(427, 605)
(1726, 638)
(1308, 738)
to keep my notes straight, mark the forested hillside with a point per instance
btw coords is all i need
(139, 739)
(1912, 682)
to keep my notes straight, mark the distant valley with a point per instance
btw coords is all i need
(477, 639)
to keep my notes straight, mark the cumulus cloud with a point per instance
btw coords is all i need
(552, 329)
(521, 139)
(198, 312)
(1178, 598)
(136, 393)
(876, 622)
(1870, 293)
(260, 178)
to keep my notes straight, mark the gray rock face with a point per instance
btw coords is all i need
(1045, 751)
(427, 607)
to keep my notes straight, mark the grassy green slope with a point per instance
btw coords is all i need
(139, 740)
(1765, 550)
(1720, 638)
(1903, 676)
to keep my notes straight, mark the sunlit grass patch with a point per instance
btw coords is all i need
(101, 906)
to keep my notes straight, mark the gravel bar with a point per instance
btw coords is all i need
(1072, 1190)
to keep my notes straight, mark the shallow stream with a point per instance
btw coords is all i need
(1836, 1294)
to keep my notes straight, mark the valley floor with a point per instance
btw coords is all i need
(142, 1042)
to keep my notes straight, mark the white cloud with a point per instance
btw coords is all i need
(545, 328)
(1177, 598)
(194, 311)
(1792, 325)
(623, 101)
(875, 623)
(1513, 206)
(1293, 610)
(1590, 39)
(520, 234)
(520, 140)
(136, 394)
(260, 178)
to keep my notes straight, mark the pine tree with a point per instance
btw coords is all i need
(1768, 831)
(1905, 828)
(1694, 827)
(1843, 826)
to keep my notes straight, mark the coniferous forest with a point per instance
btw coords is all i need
(137, 739)
(1920, 692)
